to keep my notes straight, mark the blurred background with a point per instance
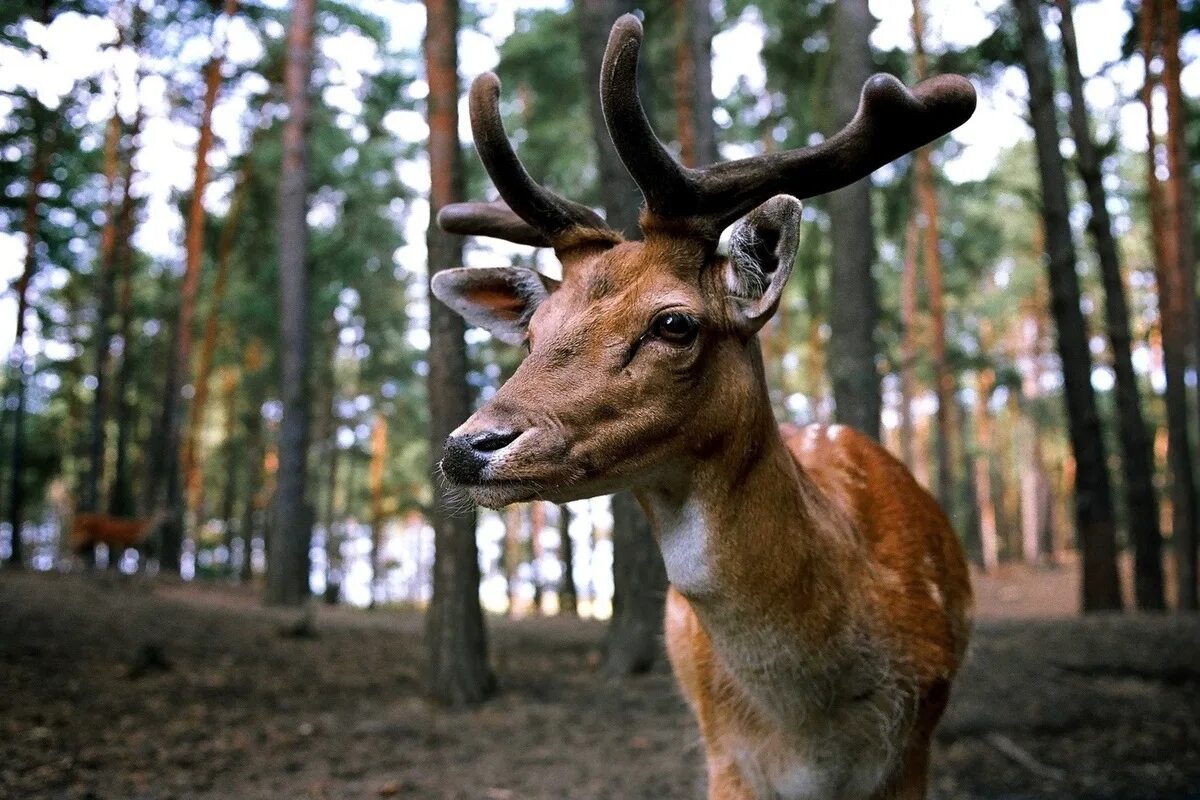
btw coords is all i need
(220, 351)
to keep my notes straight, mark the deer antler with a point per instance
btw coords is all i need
(890, 122)
(530, 213)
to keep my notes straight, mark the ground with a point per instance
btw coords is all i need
(139, 689)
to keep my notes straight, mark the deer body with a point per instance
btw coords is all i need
(89, 530)
(820, 604)
(818, 667)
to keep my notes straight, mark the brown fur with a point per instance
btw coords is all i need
(89, 530)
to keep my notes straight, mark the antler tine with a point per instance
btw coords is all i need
(890, 122)
(546, 213)
(490, 219)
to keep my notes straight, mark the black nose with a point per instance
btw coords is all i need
(464, 457)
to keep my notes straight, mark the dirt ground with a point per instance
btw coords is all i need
(132, 689)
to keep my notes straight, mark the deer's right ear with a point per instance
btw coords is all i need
(500, 300)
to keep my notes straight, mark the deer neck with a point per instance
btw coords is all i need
(747, 536)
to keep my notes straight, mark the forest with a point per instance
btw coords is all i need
(227, 386)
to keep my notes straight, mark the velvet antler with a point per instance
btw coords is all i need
(890, 122)
(530, 213)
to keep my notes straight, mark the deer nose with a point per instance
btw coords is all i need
(465, 456)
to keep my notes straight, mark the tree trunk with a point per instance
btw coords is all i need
(120, 499)
(512, 554)
(693, 82)
(1136, 460)
(639, 577)
(287, 562)
(375, 487)
(104, 302)
(1036, 534)
(537, 521)
(989, 540)
(252, 424)
(191, 471)
(457, 671)
(1094, 520)
(927, 201)
(333, 559)
(908, 345)
(853, 307)
(568, 595)
(17, 362)
(232, 461)
(165, 468)
(1173, 256)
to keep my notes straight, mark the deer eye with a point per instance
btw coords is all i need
(675, 327)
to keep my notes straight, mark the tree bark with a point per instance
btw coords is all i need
(1172, 231)
(1095, 527)
(375, 487)
(208, 345)
(537, 521)
(104, 302)
(287, 562)
(165, 467)
(457, 672)
(568, 594)
(693, 82)
(854, 306)
(232, 461)
(989, 540)
(1136, 459)
(908, 345)
(333, 560)
(927, 201)
(17, 362)
(512, 554)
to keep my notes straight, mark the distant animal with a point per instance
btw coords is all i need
(820, 604)
(117, 533)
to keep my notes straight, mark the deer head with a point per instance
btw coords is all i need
(643, 359)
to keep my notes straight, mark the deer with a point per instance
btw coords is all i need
(819, 603)
(117, 533)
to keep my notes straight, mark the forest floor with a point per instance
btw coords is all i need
(117, 688)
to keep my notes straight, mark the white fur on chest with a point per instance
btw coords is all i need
(684, 541)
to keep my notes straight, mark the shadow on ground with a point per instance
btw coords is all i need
(119, 689)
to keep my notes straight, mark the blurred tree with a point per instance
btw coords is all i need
(287, 562)
(693, 82)
(163, 488)
(1136, 461)
(568, 594)
(1094, 519)
(927, 202)
(854, 310)
(1172, 230)
(457, 671)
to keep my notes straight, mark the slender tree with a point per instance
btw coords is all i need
(287, 561)
(379, 435)
(568, 594)
(164, 471)
(1136, 458)
(693, 82)
(1172, 233)
(908, 345)
(30, 226)
(854, 307)
(457, 670)
(1094, 519)
(927, 201)
(632, 643)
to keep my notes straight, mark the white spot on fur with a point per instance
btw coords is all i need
(935, 592)
(833, 432)
(684, 544)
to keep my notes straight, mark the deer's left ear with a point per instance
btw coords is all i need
(762, 250)
(498, 299)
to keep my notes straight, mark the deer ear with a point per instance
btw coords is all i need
(498, 299)
(762, 250)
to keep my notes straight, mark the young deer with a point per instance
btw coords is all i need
(819, 603)
(118, 533)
